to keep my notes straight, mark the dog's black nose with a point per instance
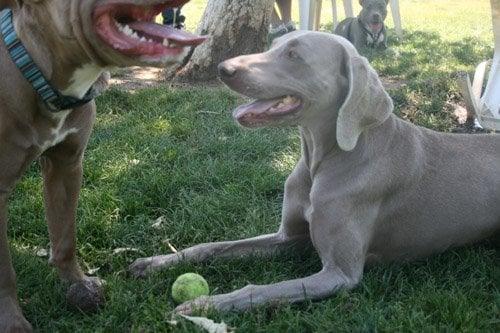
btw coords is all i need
(377, 18)
(226, 70)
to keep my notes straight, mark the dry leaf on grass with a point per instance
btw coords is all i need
(158, 223)
(125, 249)
(207, 324)
(42, 253)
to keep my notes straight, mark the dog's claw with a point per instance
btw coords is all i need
(140, 267)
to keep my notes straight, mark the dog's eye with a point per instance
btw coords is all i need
(292, 54)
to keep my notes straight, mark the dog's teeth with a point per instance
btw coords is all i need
(143, 39)
(281, 105)
(166, 43)
(289, 100)
(128, 31)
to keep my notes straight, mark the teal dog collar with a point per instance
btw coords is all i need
(52, 98)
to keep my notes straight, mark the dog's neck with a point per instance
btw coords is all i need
(319, 142)
(62, 62)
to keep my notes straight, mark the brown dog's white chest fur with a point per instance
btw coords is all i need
(58, 132)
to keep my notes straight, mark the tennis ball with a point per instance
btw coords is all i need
(188, 286)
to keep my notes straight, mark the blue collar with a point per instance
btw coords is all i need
(52, 98)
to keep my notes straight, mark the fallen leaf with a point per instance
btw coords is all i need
(42, 253)
(170, 246)
(125, 249)
(207, 324)
(92, 271)
(158, 222)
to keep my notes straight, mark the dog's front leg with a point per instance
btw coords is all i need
(263, 245)
(11, 318)
(62, 181)
(293, 232)
(314, 287)
(62, 173)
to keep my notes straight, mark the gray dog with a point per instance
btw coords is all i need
(369, 187)
(368, 29)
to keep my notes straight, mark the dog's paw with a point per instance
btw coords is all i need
(11, 318)
(140, 267)
(200, 304)
(86, 295)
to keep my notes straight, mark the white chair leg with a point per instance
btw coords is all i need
(317, 15)
(491, 97)
(307, 13)
(335, 14)
(348, 8)
(396, 16)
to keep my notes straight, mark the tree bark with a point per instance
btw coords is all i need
(235, 27)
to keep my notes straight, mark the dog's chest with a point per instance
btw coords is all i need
(375, 39)
(58, 132)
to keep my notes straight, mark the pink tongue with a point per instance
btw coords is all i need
(256, 107)
(376, 27)
(180, 37)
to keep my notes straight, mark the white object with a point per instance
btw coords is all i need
(486, 107)
(310, 13)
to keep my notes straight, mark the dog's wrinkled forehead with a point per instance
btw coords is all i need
(374, 5)
(308, 42)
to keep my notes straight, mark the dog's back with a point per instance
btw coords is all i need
(344, 28)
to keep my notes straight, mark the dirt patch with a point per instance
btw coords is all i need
(392, 83)
(136, 78)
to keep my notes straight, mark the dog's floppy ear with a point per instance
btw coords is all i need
(367, 104)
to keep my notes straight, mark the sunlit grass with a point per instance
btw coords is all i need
(177, 153)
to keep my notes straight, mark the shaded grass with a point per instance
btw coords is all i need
(176, 153)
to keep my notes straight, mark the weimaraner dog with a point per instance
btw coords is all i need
(51, 54)
(369, 187)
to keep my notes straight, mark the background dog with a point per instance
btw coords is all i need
(368, 29)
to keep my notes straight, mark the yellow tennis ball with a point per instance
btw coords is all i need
(188, 286)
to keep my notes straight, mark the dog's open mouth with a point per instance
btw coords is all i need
(263, 111)
(130, 29)
(376, 27)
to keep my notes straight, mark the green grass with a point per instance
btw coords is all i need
(176, 153)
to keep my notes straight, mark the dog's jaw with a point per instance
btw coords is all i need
(274, 111)
(124, 33)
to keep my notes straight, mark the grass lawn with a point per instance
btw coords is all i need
(176, 153)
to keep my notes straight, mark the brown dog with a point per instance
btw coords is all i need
(72, 42)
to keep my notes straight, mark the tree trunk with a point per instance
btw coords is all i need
(235, 27)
